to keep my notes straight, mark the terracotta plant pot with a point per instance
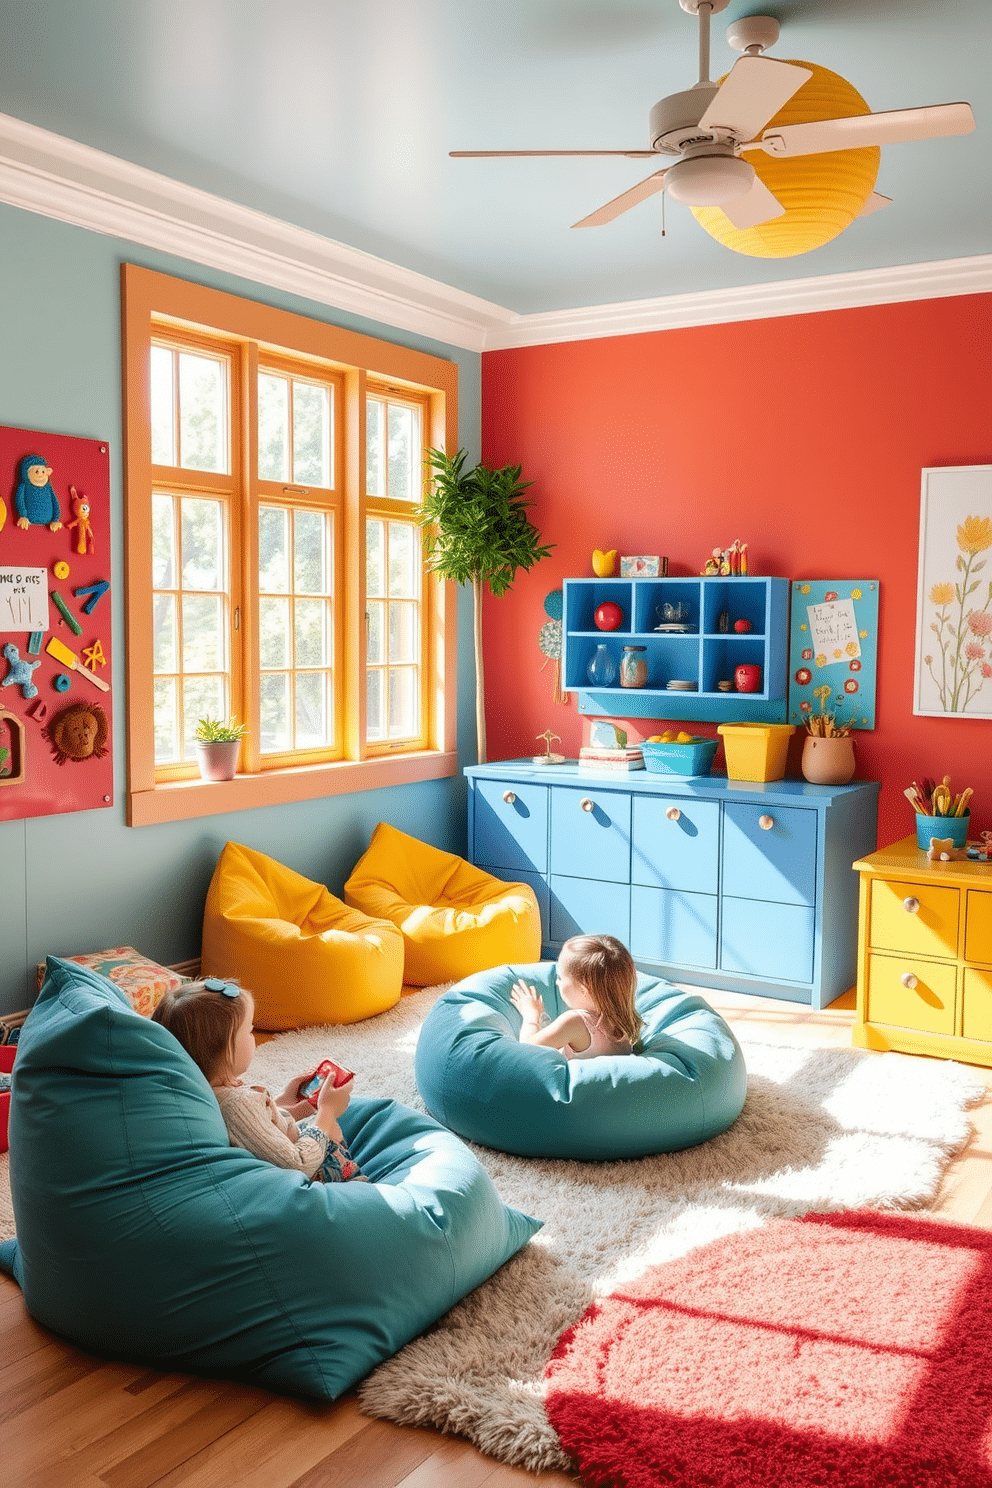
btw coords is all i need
(829, 760)
(218, 760)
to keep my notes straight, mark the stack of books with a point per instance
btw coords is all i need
(601, 757)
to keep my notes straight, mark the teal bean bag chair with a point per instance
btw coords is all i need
(142, 1234)
(685, 1083)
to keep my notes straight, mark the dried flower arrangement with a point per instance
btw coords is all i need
(824, 725)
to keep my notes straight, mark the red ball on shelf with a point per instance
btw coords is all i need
(608, 616)
(742, 626)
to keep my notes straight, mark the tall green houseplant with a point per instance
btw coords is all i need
(476, 531)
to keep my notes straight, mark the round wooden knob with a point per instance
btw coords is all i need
(509, 797)
(908, 979)
(911, 906)
(586, 804)
(766, 823)
(673, 813)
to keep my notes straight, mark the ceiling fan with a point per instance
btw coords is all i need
(710, 126)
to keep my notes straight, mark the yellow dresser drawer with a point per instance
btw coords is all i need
(928, 1007)
(914, 917)
(978, 927)
(977, 998)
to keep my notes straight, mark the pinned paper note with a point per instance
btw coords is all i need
(833, 650)
(833, 629)
(23, 599)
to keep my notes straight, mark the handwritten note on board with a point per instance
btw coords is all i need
(834, 631)
(23, 599)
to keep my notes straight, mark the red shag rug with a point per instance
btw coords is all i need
(848, 1349)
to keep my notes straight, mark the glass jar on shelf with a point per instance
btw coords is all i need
(633, 666)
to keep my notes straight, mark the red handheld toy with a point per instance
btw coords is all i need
(327, 1069)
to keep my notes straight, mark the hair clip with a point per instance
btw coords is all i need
(214, 984)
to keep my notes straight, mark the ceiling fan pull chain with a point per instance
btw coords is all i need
(663, 195)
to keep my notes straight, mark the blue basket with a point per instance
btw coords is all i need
(680, 759)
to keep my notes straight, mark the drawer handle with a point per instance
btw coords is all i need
(586, 804)
(911, 906)
(673, 813)
(766, 823)
(509, 797)
(909, 979)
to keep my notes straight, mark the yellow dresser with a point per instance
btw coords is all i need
(925, 955)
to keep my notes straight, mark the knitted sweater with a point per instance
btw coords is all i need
(255, 1122)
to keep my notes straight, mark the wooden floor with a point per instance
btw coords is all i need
(70, 1419)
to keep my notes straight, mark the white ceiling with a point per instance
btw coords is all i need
(337, 116)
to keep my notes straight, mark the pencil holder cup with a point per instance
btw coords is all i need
(942, 827)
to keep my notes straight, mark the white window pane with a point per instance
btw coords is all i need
(166, 721)
(203, 697)
(273, 550)
(273, 427)
(312, 710)
(163, 395)
(204, 565)
(276, 734)
(164, 637)
(163, 542)
(311, 434)
(403, 709)
(204, 642)
(274, 632)
(312, 617)
(404, 632)
(374, 723)
(311, 547)
(375, 464)
(404, 453)
(375, 650)
(375, 569)
(203, 438)
(403, 572)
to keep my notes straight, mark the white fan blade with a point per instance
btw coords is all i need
(756, 206)
(751, 94)
(820, 136)
(625, 201)
(505, 154)
(875, 203)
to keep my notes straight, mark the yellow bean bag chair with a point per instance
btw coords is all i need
(455, 919)
(303, 954)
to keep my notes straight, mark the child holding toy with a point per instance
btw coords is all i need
(597, 981)
(212, 1020)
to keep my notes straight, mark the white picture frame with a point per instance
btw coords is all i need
(953, 665)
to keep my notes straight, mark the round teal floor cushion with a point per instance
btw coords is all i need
(141, 1233)
(685, 1084)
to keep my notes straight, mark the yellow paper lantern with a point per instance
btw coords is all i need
(821, 194)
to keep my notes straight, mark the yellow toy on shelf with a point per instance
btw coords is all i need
(604, 563)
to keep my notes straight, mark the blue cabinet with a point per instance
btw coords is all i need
(732, 884)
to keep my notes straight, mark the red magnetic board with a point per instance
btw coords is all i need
(39, 606)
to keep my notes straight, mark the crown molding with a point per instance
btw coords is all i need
(57, 177)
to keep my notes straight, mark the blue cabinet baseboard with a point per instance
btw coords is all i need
(744, 886)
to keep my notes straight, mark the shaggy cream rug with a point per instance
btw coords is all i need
(821, 1130)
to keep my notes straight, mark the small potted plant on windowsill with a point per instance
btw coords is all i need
(828, 753)
(217, 746)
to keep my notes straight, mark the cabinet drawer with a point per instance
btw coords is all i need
(773, 941)
(928, 1007)
(775, 863)
(673, 927)
(588, 906)
(976, 995)
(591, 841)
(683, 853)
(916, 918)
(978, 926)
(511, 825)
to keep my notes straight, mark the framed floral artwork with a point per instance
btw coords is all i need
(954, 594)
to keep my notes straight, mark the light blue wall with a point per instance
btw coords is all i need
(85, 881)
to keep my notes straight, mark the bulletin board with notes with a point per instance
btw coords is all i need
(56, 696)
(833, 650)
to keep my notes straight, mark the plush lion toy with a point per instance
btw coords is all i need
(79, 732)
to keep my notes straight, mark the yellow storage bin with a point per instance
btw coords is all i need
(756, 751)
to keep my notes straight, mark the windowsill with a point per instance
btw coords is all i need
(183, 799)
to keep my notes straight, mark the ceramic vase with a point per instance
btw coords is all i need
(828, 761)
(218, 760)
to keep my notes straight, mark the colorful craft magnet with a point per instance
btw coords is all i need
(81, 522)
(61, 570)
(20, 671)
(66, 613)
(61, 683)
(93, 656)
(34, 642)
(39, 710)
(95, 592)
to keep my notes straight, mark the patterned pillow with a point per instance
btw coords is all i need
(143, 982)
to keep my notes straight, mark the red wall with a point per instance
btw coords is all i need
(803, 436)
